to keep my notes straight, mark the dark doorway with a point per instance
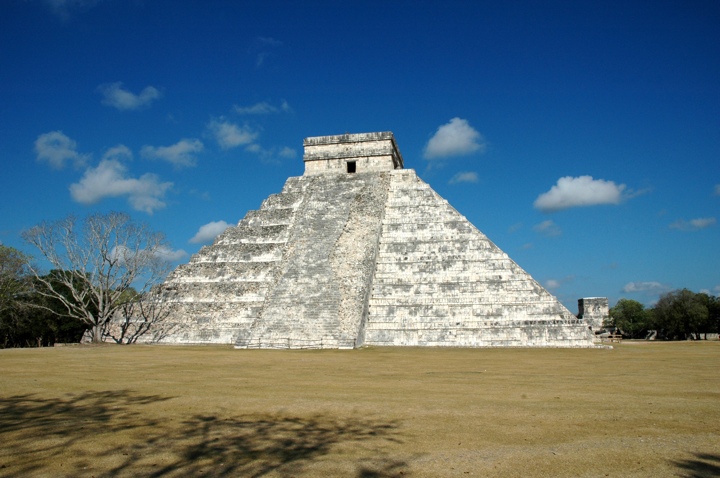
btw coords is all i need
(351, 166)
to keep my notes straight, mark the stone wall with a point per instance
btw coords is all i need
(368, 152)
(595, 311)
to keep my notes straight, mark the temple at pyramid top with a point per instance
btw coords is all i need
(351, 153)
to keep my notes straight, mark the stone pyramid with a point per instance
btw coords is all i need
(359, 251)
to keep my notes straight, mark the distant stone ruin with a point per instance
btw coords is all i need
(595, 311)
(359, 251)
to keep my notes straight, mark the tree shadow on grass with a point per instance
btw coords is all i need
(106, 434)
(703, 465)
(36, 431)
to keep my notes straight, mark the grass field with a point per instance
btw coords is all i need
(640, 409)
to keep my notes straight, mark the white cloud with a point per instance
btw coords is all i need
(170, 255)
(552, 284)
(203, 195)
(268, 41)
(262, 108)
(57, 149)
(693, 224)
(118, 97)
(209, 232)
(263, 45)
(119, 152)
(581, 191)
(181, 154)
(59, 3)
(464, 177)
(229, 135)
(109, 179)
(269, 155)
(286, 152)
(456, 138)
(648, 287)
(703, 222)
(515, 228)
(548, 228)
(62, 8)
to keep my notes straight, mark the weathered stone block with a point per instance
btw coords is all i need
(594, 311)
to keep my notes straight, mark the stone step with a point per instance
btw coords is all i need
(477, 245)
(265, 252)
(454, 278)
(456, 314)
(465, 326)
(388, 262)
(256, 234)
(451, 271)
(456, 291)
(245, 291)
(451, 229)
(282, 201)
(464, 300)
(269, 217)
(223, 311)
(223, 271)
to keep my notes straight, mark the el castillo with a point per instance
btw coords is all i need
(359, 251)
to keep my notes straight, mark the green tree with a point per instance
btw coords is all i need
(14, 284)
(714, 315)
(710, 323)
(34, 320)
(60, 326)
(681, 314)
(100, 258)
(14, 275)
(630, 317)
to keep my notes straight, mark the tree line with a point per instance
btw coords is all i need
(677, 315)
(102, 283)
(27, 317)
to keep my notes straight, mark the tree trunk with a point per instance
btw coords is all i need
(97, 334)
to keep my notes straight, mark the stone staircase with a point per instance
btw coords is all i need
(317, 301)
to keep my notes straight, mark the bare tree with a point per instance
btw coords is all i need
(141, 314)
(101, 259)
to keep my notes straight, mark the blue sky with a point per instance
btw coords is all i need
(583, 138)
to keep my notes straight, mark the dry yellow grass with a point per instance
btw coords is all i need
(636, 410)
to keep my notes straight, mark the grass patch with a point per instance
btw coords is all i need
(639, 409)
